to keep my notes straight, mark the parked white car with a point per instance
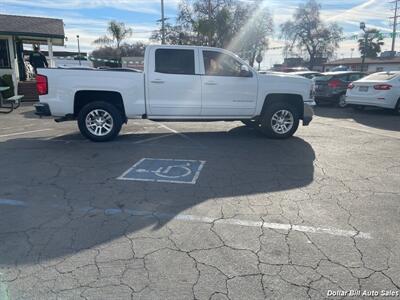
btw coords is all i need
(379, 89)
(179, 83)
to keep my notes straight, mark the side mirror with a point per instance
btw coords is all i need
(245, 71)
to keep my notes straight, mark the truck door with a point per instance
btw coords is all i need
(173, 84)
(226, 92)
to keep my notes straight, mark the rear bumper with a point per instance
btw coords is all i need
(42, 109)
(384, 103)
(308, 114)
(330, 98)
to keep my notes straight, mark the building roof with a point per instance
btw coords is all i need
(32, 27)
(58, 53)
(358, 60)
(341, 72)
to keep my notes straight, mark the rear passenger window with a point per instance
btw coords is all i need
(173, 61)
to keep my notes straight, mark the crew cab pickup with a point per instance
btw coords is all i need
(179, 83)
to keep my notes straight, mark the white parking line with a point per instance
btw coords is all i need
(208, 220)
(24, 132)
(181, 134)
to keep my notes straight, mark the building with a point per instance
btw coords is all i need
(372, 65)
(15, 31)
(294, 64)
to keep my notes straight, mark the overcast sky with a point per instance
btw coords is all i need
(89, 18)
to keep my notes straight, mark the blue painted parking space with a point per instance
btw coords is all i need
(164, 170)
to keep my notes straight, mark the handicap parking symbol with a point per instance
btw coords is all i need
(164, 170)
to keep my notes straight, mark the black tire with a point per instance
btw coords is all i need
(266, 126)
(116, 116)
(341, 101)
(397, 108)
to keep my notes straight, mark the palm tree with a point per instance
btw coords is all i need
(117, 33)
(371, 42)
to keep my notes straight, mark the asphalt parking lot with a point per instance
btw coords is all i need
(293, 219)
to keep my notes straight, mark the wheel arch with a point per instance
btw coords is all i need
(292, 99)
(84, 97)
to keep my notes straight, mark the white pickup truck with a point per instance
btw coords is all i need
(179, 83)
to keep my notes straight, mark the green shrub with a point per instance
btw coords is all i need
(6, 80)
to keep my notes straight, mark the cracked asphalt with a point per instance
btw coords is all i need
(266, 219)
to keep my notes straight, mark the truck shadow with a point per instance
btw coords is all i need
(58, 198)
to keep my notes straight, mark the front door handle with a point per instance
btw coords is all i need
(159, 81)
(210, 83)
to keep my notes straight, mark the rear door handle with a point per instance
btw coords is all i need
(159, 81)
(210, 83)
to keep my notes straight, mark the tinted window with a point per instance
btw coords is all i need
(342, 77)
(173, 61)
(220, 64)
(4, 55)
(354, 77)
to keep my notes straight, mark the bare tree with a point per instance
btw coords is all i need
(240, 27)
(307, 33)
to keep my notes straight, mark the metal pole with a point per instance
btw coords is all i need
(394, 26)
(365, 50)
(79, 51)
(209, 23)
(162, 23)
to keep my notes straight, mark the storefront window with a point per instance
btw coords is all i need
(4, 55)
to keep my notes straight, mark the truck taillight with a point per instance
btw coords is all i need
(41, 85)
(350, 86)
(334, 84)
(382, 87)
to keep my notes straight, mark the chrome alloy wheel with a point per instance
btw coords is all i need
(99, 122)
(282, 121)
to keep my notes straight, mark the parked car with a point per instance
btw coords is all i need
(179, 83)
(331, 87)
(379, 89)
(307, 74)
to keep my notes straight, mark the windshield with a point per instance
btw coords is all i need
(381, 76)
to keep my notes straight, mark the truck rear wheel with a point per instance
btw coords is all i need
(279, 121)
(100, 121)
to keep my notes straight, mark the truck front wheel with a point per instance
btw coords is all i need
(100, 121)
(280, 120)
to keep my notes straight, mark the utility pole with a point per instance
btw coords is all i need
(209, 23)
(395, 17)
(362, 27)
(79, 50)
(162, 23)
